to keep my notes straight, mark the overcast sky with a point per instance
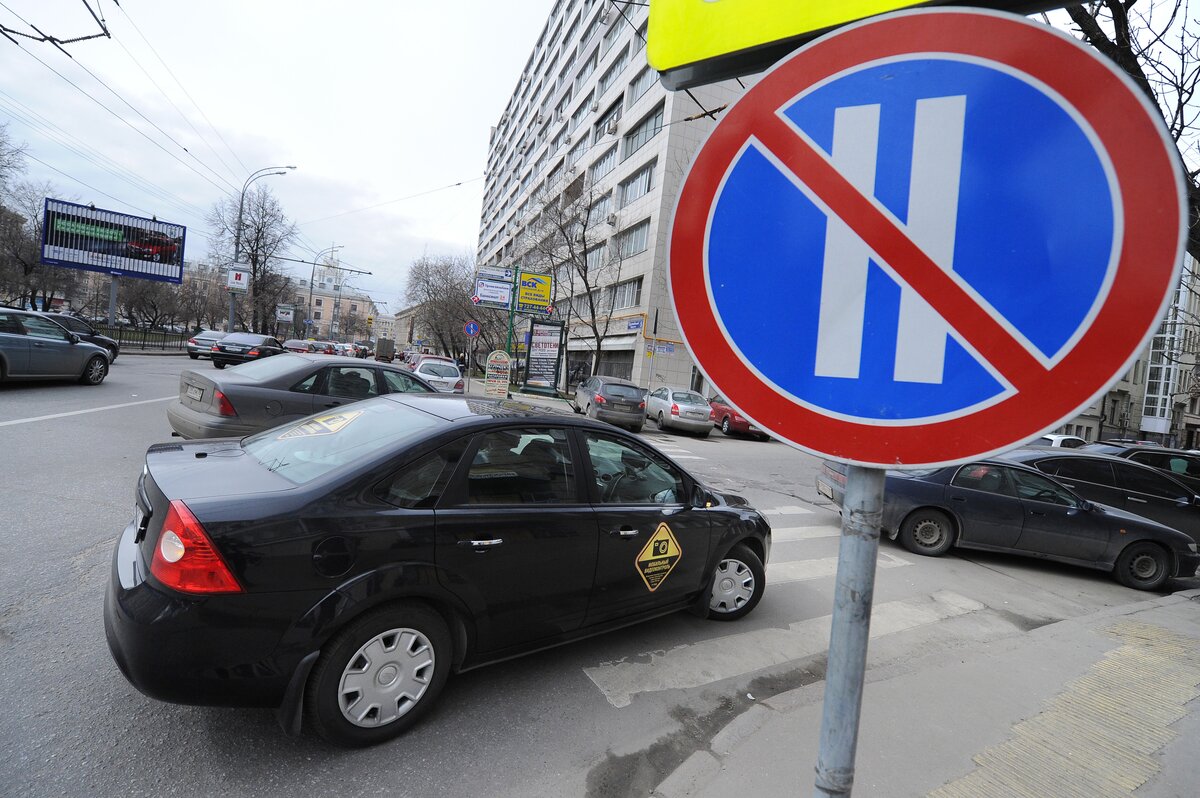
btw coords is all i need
(373, 101)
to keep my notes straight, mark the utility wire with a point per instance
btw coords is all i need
(143, 211)
(47, 38)
(391, 202)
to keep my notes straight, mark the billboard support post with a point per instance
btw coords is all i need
(853, 592)
(112, 301)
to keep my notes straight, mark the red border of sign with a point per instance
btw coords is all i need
(1146, 169)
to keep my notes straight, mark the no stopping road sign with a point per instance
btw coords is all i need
(968, 222)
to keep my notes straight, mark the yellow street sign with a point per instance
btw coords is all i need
(658, 557)
(719, 39)
(534, 292)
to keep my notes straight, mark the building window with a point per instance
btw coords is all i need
(613, 72)
(611, 35)
(353, 308)
(601, 208)
(585, 71)
(647, 129)
(318, 301)
(641, 84)
(583, 110)
(595, 258)
(577, 151)
(639, 41)
(634, 240)
(317, 315)
(610, 117)
(637, 185)
(604, 164)
(628, 294)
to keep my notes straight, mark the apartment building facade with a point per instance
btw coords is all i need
(590, 124)
(339, 312)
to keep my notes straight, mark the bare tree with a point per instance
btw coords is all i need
(12, 158)
(440, 289)
(265, 231)
(1158, 46)
(23, 276)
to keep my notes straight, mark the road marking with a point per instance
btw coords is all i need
(726, 657)
(789, 534)
(791, 509)
(89, 410)
(803, 570)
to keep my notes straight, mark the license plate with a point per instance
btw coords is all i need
(696, 414)
(234, 349)
(825, 490)
(622, 408)
(194, 392)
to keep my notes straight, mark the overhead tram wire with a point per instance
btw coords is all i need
(143, 211)
(391, 202)
(179, 83)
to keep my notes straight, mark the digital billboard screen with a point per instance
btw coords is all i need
(98, 240)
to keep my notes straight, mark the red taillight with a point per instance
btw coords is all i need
(674, 409)
(252, 353)
(192, 341)
(641, 405)
(458, 385)
(214, 348)
(712, 414)
(600, 399)
(185, 558)
(224, 406)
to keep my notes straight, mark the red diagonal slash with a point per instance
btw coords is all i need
(890, 242)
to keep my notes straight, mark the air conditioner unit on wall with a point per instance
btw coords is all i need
(612, 219)
(604, 17)
(541, 118)
(612, 128)
(595, 105)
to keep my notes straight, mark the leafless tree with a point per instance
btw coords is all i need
(439, 287)
(1158, 46)
(265, 232)
(12, 158)
(23, 276)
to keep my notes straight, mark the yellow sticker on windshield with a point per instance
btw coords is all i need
(658, 557)
(322, 425)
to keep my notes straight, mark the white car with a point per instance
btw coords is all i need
(441, 374)
(1063, 441)
(680, 409)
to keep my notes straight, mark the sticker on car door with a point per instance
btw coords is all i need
(659, 557)
(323, 425)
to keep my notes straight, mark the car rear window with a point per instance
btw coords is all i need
(688, 397)
(315, 446)
(243, 338)
(621, 391)
(439, 369)
(269, 368)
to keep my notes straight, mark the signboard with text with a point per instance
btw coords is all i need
(493, 288)
(545, 350)
(97, 240)
(534, 293)
(237, 280)
(497, 375)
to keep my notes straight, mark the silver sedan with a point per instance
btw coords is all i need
(681, 409)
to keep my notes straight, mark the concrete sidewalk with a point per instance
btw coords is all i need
(1101, 705)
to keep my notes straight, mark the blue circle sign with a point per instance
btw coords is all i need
(471, 328)
(967, 222)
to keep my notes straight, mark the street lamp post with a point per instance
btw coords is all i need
(237, 232)
(312, 275)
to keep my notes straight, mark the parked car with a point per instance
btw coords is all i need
(446, 377)
(32, 347)
(325, 347)
(154, 246)
(1057, 441)
(1178, 463)
(679, 408)
(1000, 505)
(201, 344)
(414, 361)
(296, 345)
(304, 568)
(731, 422)
(264, 393)
(612, 399)
(242, 347)
(1121, 483)
(87, 332)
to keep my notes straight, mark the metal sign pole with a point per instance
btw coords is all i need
(862, 512)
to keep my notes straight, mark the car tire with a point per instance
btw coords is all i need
(659, 422)
(401, 653)
(927, 531)
(726, 427)
(737, 585)
(588, 412)
(763, 438)
(193, 356)
(219, 363)
(95, 371)
(1143, 566)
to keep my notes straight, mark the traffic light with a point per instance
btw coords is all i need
(370, 320)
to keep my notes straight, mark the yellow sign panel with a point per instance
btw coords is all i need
(658, 557)
(323, 425)
(534, 292)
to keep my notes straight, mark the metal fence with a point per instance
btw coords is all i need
(133, 338)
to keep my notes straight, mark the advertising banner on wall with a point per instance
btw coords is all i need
(83, 237)
(543, 359)
(284, 313)
(534, 293)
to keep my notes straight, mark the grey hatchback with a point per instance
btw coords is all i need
(612, 399)
(32, 347)
(201, 344)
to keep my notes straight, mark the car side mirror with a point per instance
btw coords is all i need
(73, 338)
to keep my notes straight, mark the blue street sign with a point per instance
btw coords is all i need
(308, 322)
(471, 328)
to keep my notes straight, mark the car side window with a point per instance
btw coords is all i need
(10, 325)
(522, 466)
(43, 328)
(420, 484)
(1037, 488)
(308, 384)
(626, 474)
(351, 382)
(985, 477)
(1142, 481)
(1080, 468)
(397, 382)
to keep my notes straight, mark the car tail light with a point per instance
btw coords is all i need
(458, 385)
(192, 341)
(253, 352)
(214, 348)
(641, 405)
(712, 414)
(224, 406)
(185, 558)
(600, 399)
(674, 409)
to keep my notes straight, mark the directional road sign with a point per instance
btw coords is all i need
(968, 223)
(471, 328)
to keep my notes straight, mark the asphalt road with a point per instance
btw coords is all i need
(610, 716)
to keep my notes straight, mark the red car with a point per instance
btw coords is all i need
(296, 345)
(154, 246)
(731, 422)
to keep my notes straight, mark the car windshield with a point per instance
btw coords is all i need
(312, 447)
(271, 367)
(439, 369)
(688, 397)
(622, 391)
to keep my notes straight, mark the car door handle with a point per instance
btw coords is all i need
(481, 545)
(958, 498)
(1136, 499)
(624, 532)
(1035, 512)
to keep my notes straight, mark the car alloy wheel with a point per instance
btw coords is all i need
(378, 676)
(662, 424)
(738, 582)
(95, 371)
(928, 532)
(1143, 566)
(726, 427)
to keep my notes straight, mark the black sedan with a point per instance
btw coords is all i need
(1179, 464)
(243, 347)
(1120, 483)
(86, 332)
(340, 567)
(998, 505)
(263, 394)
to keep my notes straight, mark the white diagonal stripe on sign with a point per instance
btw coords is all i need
(725, 657)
